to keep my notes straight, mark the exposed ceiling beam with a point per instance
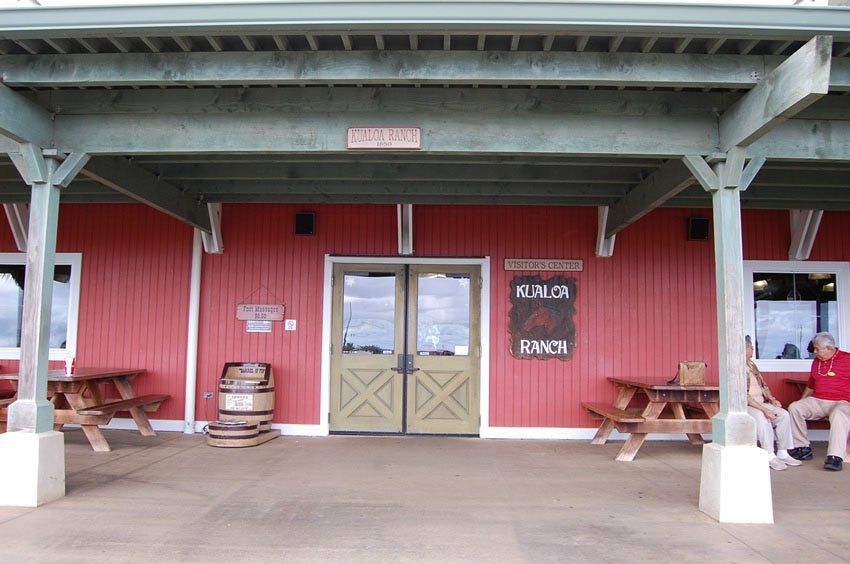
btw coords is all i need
(284, 188)
(447, 132)
(23, 121)
(753, 203)
(785, 198)
(799, 139)
(660, 186)
(386, 67)
(569, 132)
(466, 172)
(649, 70)
(409, 100)
(408, 198)
(120, 175)
(757, 197)
(789, 88)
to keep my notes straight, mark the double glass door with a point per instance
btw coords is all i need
(405, 349)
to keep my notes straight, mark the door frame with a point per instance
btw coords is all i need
(327, 304)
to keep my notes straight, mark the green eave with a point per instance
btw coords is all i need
(441, 16)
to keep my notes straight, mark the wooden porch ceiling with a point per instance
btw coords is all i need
(579, 107)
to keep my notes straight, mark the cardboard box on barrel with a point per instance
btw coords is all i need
(245, 406)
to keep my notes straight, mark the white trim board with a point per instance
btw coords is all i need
(520, 433)
(842, 279)
(74, 260)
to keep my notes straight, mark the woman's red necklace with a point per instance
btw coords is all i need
(829, 371)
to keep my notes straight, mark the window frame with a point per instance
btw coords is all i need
(74, 260)
(842, 280)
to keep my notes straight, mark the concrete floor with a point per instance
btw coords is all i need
(171, 498)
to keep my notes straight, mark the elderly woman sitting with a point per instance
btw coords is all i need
(769, 415)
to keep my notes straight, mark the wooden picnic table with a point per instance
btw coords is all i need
(79, 399)
(666, 412)
(801, 383)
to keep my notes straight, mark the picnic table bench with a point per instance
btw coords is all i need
(79, 399)
(148, 403)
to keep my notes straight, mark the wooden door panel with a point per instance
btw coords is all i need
(368, 400)
(366, 394)
(443, 395)
(443, 402)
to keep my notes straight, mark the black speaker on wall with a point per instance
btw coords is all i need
(305, 223)
(697, 228)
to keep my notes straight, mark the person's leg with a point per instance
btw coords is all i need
(800, 411)
(764, 430)
(839, 426)
(764, 435)
(782, 429)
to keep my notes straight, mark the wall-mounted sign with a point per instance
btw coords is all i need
(407, 138)
(545, 265)
(541, 317)
(258, 326)
(267, 312)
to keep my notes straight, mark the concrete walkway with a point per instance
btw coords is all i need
(171, 498)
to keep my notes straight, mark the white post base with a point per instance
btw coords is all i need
(32, 468)
(735, 484)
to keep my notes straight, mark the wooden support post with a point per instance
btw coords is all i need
(405, 229)
(735, 477)
(18, 216)
(32, 412)
(804, 229)
(213, 242)
(732, 425)
(604, 245)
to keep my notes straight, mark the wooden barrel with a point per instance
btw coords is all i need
(244, 399)
(233, 433)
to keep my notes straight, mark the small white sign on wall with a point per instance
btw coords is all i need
(289, 325)
(257, 326)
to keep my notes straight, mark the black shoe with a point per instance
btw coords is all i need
(801, 453)
(833, 463)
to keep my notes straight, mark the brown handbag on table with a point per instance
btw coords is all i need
(691, 373)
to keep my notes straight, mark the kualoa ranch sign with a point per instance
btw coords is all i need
(541, 317)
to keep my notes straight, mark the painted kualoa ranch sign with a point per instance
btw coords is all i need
(541, 317)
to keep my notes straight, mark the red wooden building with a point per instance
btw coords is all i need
(384, 175)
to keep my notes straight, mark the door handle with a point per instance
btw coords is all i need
(404, 364)
(408, 360)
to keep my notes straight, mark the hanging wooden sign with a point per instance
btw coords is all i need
(545, 264)
(260, 312)
(541, 317)
(383, 138)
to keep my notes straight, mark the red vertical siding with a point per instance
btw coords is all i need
(133, 295)
(264, 261)
(638, 313)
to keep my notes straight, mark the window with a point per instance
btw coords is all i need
(787, 302)
(63, 318)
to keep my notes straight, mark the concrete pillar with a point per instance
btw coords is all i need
(32, 455)
(735, 480)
